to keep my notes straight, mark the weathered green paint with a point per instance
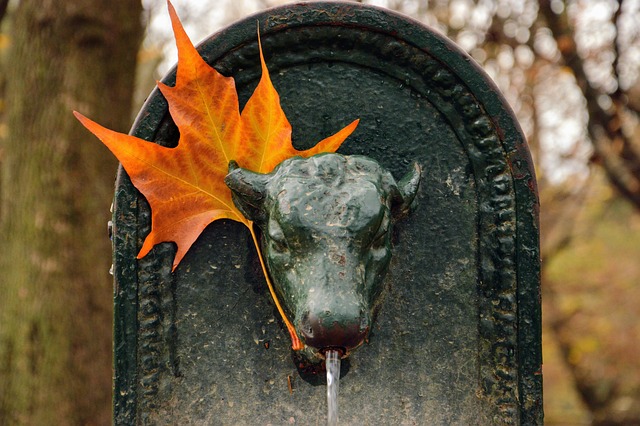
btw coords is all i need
(326, 225)
(457, 339)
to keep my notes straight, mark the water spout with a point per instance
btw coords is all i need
(332, 364)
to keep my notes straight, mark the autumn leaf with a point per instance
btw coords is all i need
(185, 185)
(266, 140)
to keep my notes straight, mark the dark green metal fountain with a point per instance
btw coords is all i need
(451, 335)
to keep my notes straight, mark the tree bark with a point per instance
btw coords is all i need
(55, 291)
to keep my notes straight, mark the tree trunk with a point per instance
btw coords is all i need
(55, 291)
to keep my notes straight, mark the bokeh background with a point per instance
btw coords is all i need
(569, 69)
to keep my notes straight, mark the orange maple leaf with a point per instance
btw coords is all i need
(185, 185)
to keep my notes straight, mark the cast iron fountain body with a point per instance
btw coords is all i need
(457, 337)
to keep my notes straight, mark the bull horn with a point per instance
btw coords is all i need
(248, 191)
(408, 188)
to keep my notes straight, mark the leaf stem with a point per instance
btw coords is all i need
(296, 344)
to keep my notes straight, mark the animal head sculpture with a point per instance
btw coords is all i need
(326, 225)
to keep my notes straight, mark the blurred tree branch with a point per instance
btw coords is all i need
(558, 221)
(614, 148)
(597, 397)
(3, 8)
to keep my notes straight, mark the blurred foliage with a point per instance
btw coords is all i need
(591, 298)
(5, 43)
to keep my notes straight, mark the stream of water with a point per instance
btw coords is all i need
(332, 364)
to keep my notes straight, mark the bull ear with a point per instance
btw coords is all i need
(408, 189)
(248, 190)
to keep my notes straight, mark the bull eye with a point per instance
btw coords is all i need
(279, 245)
(276, 237)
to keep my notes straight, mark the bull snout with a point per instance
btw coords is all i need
(326, 329)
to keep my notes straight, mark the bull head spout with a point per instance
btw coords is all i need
(326, 224)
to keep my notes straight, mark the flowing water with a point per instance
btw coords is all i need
(332, 364)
